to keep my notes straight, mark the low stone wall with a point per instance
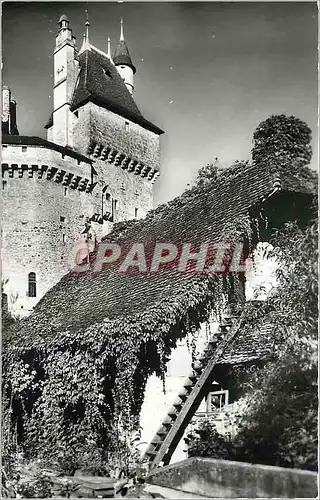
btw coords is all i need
(225, 479)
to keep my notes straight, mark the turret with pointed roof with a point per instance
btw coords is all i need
(123, 61)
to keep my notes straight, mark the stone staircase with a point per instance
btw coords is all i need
(189, 398)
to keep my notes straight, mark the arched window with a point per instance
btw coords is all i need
(32, 285)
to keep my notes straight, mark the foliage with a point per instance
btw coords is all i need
(207, 442)
(68, 395)
(208, 173)
(215, 172)
(60, 416)
(17, 486)
(282, 139)
(7, 319)
(279, 425)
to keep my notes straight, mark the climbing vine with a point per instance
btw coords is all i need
(73, 392)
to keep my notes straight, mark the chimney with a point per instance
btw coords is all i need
(13, 116)
(9, 113)
(6, 98)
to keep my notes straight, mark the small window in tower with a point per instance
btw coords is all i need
(24, 148)
(123, 186)
(63, 238)
(62, 218)
(115, 204)
(66, 191)
(136, 213)
(126, 126)
(32, 285)
(4, 184)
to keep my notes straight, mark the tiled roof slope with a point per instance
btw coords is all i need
(100, 82)
(249, 345)
(25, 140)
(80, 304)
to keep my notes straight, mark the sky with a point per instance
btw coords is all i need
(207, 72)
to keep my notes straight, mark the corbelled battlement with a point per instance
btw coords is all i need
(120, 159)
(67, 179)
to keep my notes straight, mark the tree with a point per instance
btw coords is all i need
(280, 425)
(208, 173)
(282, 139)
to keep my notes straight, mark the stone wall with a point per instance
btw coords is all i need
(41, 219)
(43, 215)
(104, 127)
(97, 128)
(225, 479)
(133, 194)
(157, 403)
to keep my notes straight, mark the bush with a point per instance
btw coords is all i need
(207, 442)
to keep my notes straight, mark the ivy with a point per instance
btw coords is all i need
(75, 391)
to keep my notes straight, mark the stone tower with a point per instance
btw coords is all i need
(97, 167)
(65, 75)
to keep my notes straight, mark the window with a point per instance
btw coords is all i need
(217, 399)
(24, 149)
(63, 238)
(62, 219)
(126, 126)
(32, 285)
(136, 212)
(66, 191)
(115, 204)
(4, 184)
(123, 186)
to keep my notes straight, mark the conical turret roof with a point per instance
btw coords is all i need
(122, 55)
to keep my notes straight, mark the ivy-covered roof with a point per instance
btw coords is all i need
(90, 307)
(100, 82)
(249, 345)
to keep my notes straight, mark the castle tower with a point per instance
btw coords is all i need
(110, 128)
(123, 62)
(98, 165)
(65, 75)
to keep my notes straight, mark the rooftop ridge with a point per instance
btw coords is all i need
(100, 51)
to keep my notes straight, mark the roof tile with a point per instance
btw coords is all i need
(106, 300)
(100, 82)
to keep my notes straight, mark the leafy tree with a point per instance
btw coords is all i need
(208, 173)
(282, 139)
(280, 425)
